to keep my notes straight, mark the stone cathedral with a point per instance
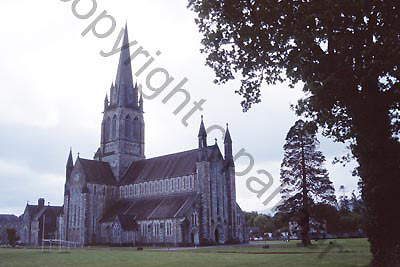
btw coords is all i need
(122, 198)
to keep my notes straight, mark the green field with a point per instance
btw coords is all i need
(349, 252)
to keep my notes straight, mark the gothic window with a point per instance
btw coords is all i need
(169, 228)
(128, 127)
(195, 219)
(107, 127)
(166, 185)
(114, 127)
(136, 129)
(79, 216)
(157, 230)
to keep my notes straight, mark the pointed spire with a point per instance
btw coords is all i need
(106, 102)
(202, 131)
(70, 161)
(228, 148)
(202, 135)
(140, 101)
(227, 139)
(70, 165)
(124, 73)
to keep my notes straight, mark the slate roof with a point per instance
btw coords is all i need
(49, 210)
(173, 165)
(167, 166)
(32, 209)
(35, 211)
(128, 222)
(4, 218)
(98, 172)
(170, 206)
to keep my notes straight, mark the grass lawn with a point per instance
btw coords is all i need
(346, 252)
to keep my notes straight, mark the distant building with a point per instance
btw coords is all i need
(29, 226)
(8, 222)
(254, 232)
(120, 197)
(317, 229)
(37, 218)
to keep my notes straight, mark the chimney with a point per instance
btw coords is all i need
(41, 202)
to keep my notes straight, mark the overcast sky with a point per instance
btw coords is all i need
(54, 80)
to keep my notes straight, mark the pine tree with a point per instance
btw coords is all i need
(304, 180)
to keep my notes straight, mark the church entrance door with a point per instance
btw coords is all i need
(216, 236)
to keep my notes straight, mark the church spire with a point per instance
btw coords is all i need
(228, 148)
(140, 100)
(106, 102)
(70, 165)
(227, 139)
(202, 135)
(124, 73)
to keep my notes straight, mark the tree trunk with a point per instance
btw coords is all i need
(305, 225)
(378, 155)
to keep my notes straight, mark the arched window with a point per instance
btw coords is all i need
(130, 190)
(136, 129)
(128, 127)
(195, 219)
(114, 127)
(107, 127)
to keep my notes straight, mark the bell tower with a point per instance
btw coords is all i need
(122, 128)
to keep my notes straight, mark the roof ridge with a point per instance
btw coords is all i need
(181, 152)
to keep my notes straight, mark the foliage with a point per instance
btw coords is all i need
(347, 56)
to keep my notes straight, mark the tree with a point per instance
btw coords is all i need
(304, 180)
(260, 221)
(12, 237)
(344, 205)
(347, 56)
(326, 213)
(249, 217)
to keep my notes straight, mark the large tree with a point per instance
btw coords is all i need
(304, 180)
(346, 53)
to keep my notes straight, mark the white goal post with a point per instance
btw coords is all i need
(49, 245)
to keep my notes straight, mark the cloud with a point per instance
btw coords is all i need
(19, 183)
